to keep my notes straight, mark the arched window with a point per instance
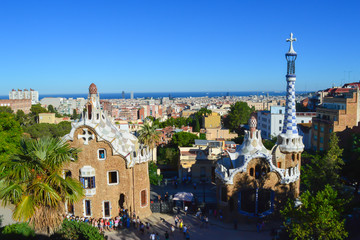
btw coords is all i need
(252, 172)
(257, 171)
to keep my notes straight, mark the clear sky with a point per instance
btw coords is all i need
(175, 45)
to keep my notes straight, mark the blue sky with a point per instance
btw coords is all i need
(178, 45)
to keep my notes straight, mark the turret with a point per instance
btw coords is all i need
(289, 140)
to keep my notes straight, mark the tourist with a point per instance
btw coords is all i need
(187, 237)
(157, 236)
(206, 221)
(172, 230)
(166, 235)
(142, 228)
(152, 236)
(185, 229)
(137, 222)
(176, 220)
(186, 209)
(181, 223)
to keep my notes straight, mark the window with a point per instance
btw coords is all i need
(88, 182)
(106, 209)
(280, 121)
(223, 194)
(321, 139)
(279, 164)
(330, 130)
(302, 121)
(293, 157)
(315, 127)
(87, 206)
(67, 173)
(321, 129)
(279, 128)
(315, 137)
(143, 198)
(113, 177)
(252, 172)
(101, 154)
(280, 111)
(321, 149)
(69, 207)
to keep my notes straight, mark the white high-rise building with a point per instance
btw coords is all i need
(25, 94)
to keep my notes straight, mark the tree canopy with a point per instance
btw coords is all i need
(319, 216)
(325, 169)
(10, 135)
(48, 130)
(148, 135)
(33, 181)
(239, 114)
(184, 139)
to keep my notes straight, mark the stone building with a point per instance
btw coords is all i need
(339, 110)
(17, 104)
(112, 165)
(253, 180)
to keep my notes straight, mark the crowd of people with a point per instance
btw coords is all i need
(130, 221)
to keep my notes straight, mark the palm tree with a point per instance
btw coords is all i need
(33, 181)
(149, 136)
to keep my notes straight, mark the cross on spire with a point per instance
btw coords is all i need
(291, 40)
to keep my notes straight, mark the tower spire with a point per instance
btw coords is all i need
(289, 139)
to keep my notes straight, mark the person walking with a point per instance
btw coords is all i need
(176, 220)
(166, 235)
(172, 230)
(152, 236)
(186, 209)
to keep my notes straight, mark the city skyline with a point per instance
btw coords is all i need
(205, 46)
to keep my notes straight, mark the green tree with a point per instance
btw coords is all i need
(239, 114)
(35, 110)
(167, 155)
(48, 130)
(325, 169)
(33, 181)
(184, 139)
(197, 125)
(51, 109)
(319, 216)
(10, 135)
(153, 176)
(351, 169)
(6, 109)
(269, 144)
(148, 135)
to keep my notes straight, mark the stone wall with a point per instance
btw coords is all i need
(130, 183)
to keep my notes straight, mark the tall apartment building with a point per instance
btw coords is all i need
(271, 122)
(25, 94)
(339, 109)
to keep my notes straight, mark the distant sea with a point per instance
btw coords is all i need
(163, 94)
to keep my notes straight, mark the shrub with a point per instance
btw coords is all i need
(17, 231)
(79, 231)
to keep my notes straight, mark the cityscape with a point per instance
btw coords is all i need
(221, 146)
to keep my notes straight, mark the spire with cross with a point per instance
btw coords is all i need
(291, 40)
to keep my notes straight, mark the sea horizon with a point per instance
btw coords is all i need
(156, 95)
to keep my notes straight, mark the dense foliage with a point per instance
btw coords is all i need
(325, 169)
(17, 231)
(239, 114)
(48, 130)
(33, 181)
(10, 135)
(167, 155)
(153, 176)
(184, 139)
(319, 216)
(73, 230)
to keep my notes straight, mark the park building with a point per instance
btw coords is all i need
(254, 181)
(112, 165)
